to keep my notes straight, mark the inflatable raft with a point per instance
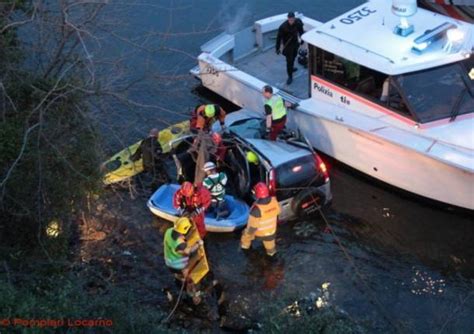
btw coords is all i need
(161, 205)
(120, 168)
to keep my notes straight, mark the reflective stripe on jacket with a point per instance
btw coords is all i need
(278, 107)
(173, 259)
(266, 224)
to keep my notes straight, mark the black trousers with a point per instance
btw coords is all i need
(158, 173)
(290, 55)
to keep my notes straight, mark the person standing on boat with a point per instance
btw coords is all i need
(152, 156)
(177, 254)
(275, 113)
(193, 202)
(263, 219)
(205, 115)
(288, 41)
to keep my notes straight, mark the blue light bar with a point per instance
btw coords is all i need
(430, 36)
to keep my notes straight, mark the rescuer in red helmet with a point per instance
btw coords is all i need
(262, 223)
(193, 201)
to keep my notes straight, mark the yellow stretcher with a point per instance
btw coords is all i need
(199, 267)
(120, 168)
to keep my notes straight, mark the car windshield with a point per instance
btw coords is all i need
(248, 128)
(299, 172)
(439, 92)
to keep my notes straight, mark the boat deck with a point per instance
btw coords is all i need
(271, 68)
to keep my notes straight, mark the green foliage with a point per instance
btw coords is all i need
(61, 297)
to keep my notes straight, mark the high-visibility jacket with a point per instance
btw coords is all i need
(278, 107)
(199, 120)
(263, 217)
(173, 259)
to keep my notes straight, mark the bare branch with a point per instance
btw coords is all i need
(20, 155)
(20, 23)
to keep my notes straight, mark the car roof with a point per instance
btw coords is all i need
(278, 152)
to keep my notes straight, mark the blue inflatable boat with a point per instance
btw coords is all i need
(161, 204)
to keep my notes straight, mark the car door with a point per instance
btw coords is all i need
(238, 171)
(184, 160)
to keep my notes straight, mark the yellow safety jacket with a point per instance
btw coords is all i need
(278, 107)
(266, 224)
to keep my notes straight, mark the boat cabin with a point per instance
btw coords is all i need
(357, 61)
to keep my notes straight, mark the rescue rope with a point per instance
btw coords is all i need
(170, 315)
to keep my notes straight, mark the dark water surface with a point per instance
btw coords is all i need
(393, 260)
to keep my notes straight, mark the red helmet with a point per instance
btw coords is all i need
(216, 138)
(261, 190)
(187, 189)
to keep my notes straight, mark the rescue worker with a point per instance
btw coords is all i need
(262, 223)
(177, 253)
(152, 155)
(275, 113)
(215, 182)
(220, 150)
(252, 158)
(205, 115)
(254, 167)
(193, 201)
(289, 34)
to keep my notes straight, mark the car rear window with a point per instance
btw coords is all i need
(299, 172)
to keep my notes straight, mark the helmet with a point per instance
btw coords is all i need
(187, 189)
(209, 166)
(216, 138)
(252, 157)
(182, 225)
(261, 190)
(210, 110)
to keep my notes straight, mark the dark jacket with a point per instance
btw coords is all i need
(287, 37)
(150, 151)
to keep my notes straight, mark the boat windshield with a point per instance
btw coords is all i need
(442, 92)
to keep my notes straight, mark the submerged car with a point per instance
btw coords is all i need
(292, 170)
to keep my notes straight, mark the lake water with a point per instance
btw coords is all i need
(394, 260)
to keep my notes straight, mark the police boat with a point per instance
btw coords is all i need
(388, 90)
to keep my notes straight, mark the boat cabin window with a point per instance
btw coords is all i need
(441, 92)
(372, 85)
(424, 96)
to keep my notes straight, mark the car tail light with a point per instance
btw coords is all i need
(272, 182)
(321, 166)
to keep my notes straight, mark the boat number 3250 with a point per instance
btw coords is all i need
(357, 15)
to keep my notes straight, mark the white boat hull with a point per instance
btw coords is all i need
(388, 162)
